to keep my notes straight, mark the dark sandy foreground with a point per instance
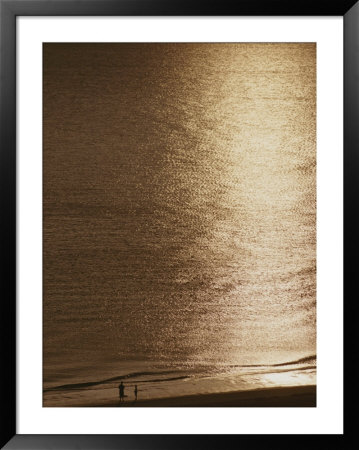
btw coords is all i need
(297, 396)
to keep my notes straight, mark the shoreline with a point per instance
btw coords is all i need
(289, 396)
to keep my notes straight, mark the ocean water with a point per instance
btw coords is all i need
(179, 224)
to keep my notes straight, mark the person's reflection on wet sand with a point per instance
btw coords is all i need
(121, 389)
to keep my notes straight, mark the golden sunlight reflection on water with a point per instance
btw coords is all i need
(179, 207)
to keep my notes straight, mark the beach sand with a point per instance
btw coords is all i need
(293, 396)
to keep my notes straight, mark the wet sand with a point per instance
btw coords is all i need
(293, 396)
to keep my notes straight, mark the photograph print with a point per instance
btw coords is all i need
(179, 225)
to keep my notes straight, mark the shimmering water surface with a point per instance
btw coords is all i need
(179, 218)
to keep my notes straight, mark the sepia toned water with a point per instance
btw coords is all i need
(179, 218)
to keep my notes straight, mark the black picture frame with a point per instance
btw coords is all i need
(9, 10)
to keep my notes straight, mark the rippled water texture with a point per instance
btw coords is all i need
(179, 208)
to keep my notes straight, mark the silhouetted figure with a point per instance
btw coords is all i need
(136, 392)
(121, 389)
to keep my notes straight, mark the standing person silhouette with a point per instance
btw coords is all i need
(135, 392)
(121, 389)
